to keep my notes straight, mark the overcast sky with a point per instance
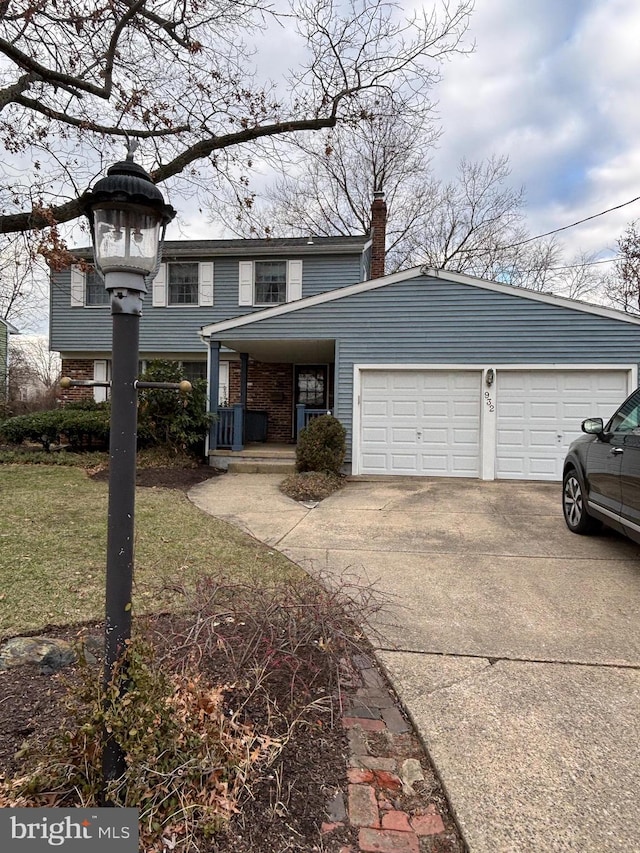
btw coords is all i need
(554, 85)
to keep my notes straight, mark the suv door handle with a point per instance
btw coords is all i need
(616, 451)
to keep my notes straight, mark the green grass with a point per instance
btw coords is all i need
(53, 548)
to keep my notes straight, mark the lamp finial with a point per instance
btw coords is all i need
(132, 147)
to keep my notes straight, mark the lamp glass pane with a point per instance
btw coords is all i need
(126, 240)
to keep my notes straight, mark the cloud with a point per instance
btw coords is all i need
(553, 86)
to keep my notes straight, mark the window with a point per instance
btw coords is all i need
(264, 283)
(182, 284)
(194, 370)
(95, 291)
(270, 282)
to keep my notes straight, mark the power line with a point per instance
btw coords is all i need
(573, 224)
(585, 264)
(557, 231)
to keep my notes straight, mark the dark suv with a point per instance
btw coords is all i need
(601, 481)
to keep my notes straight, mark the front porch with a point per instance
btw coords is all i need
(275, 389)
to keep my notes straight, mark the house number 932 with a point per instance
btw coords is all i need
(489, 402)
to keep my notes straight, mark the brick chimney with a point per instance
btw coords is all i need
(378, 234)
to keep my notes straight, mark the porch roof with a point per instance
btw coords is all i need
(294, 351)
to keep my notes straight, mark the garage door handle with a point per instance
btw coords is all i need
(616, 451)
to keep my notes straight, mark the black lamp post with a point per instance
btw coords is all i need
(128, 218)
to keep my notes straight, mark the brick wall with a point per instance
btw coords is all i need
(77, 368)
(270, 389)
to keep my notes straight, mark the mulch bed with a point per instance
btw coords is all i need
(287, 802)
(166, 478)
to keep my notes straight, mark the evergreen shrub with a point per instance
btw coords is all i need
(321, 446)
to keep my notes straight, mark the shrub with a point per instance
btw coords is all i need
(46, 428)
(168, 418)
(321, 446)
(186, 761)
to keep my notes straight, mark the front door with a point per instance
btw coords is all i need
(311, 387)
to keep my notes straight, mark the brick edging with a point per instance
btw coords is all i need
(393, 799)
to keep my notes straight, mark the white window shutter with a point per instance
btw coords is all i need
(100, 375)
(294, 280)
(245, 279)
(77, 287)
(159, 287)
(205, 284)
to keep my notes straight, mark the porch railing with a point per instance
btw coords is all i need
(230, 427)
(304, 416)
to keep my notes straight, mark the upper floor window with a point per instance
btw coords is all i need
(182, 281)
(264, 283)
(270, 282)
(95, 291)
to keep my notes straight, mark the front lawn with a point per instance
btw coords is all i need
(53, 548)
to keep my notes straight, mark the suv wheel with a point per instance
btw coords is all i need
(573, 505)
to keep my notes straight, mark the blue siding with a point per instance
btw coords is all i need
(176, 329)
(432, 321)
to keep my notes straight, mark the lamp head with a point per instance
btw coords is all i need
(128, 217)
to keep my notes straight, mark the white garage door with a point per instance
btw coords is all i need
(539, 414)
(419, 422)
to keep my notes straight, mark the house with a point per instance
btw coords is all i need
(203, 283)
(431, 373)
(6, 329)
(435, 373)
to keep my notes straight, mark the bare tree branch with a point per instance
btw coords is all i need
(78, 75)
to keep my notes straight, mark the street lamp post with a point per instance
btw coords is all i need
(128, 219)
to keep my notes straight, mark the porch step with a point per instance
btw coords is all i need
(256, 459)
(260, 466)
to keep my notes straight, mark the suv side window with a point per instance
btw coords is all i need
(627, 418)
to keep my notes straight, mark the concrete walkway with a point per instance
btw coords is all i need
(513, 644)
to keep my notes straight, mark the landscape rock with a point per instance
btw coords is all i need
(47, 653)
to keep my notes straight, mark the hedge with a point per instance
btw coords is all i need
(79, 426)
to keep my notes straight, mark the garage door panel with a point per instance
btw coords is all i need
(435, 465)
(375, 408)
(465, 466)
(464, 409)
(544, 411)
(539, 414)
(376, 464)
(512, 410)
(373, 435)
(403, 436)
(515, 438)
(434, 410)
(542, 467)
(436, 413)
(403, 463)
(465, 436)
(434, 436)
(543, 438)
(404, 408)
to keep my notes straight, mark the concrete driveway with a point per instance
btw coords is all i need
(513, 644)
